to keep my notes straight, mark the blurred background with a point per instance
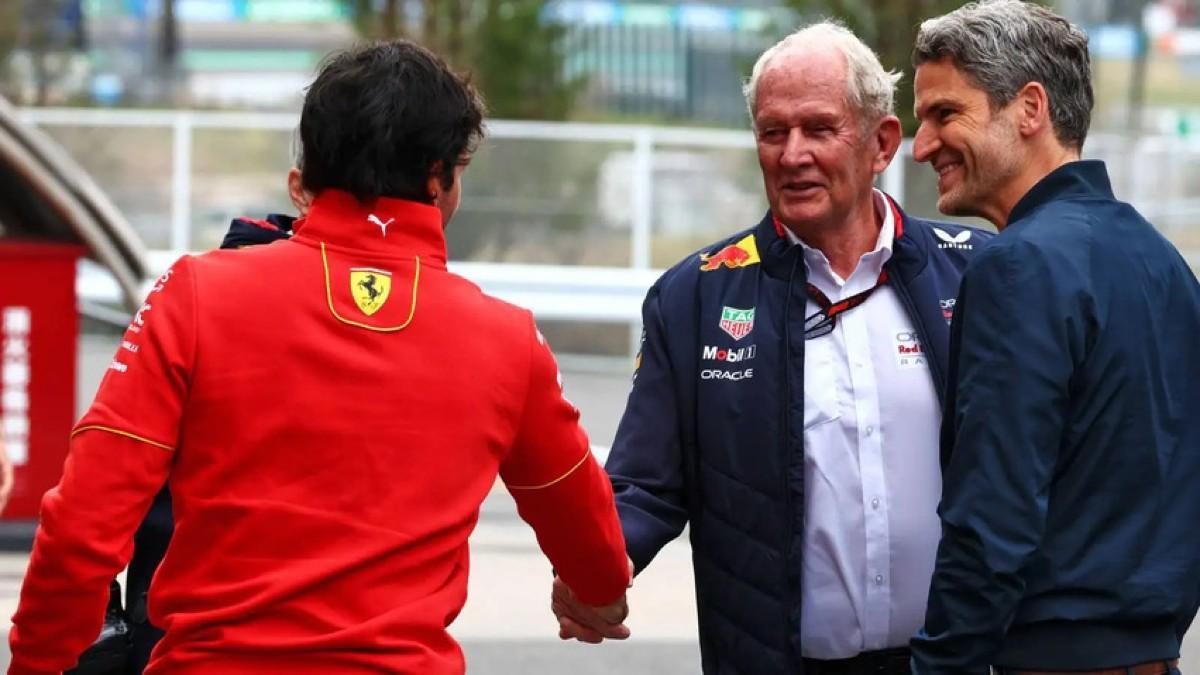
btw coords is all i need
(619, 133)
(618, 144)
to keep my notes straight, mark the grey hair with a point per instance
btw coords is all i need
(1002, 45)
(869, 88)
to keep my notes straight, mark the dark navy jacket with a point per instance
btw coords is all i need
(1071, 443)
(713, 431)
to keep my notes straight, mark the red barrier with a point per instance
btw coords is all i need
(39, 337)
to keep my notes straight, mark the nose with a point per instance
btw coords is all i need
(925, 143)
(795, 151)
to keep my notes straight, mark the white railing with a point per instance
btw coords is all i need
(566, 292)
(183, 123)
(602, 294)
(554, 292)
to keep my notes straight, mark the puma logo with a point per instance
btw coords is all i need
(374, 220)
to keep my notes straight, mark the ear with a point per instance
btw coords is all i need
(1031, 107)
(888, 135)
(301, 198)
(433, 184)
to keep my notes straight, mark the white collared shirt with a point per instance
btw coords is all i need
(871, 472)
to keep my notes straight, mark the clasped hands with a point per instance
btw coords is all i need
(584, 622)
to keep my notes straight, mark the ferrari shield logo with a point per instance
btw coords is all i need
(370, 288)
(737, 322)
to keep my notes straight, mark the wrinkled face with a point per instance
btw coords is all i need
(817, 162)
(975, 150)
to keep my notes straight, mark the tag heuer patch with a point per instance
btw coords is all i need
(737, 322)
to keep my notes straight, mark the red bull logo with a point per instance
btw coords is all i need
(741, 254)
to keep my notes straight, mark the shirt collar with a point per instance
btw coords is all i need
(870, 263)
(386, 227)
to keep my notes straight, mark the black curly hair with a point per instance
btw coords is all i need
(381, 117)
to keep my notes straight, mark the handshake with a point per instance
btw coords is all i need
(585, 622)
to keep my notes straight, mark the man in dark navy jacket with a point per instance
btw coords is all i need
(786, 404)
(1071, 441)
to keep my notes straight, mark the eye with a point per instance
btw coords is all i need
(943, 113)
(772, 133)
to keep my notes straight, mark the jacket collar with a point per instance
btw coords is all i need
(386, 227)
(246, 231)
(1084, 178)
(778, 253)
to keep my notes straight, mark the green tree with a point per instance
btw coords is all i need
(518, 59)
(38, 31)
(513, 55)
(166, 63)
(10, 15)
(384, 22)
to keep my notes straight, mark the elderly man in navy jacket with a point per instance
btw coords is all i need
(1071, 440)
(786, 405)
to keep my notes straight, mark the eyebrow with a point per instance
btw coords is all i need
(818, 116)
(935, 103)
(766, 123)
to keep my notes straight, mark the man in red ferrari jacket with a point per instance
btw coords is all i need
(327, 534)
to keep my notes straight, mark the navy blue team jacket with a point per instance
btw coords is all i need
(1071, 443)
(712, 435)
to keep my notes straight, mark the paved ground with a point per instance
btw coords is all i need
(506, 627)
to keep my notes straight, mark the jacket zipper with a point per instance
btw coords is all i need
(789, 367)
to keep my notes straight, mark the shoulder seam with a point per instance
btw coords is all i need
(119, 432)
(587, 453)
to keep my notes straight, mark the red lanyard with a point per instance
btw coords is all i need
(823, 322)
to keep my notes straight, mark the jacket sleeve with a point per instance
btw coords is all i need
(646, 461)
(561, 491)
(119, 457)
(1017, 333)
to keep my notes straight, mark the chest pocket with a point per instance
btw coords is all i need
(820, 383)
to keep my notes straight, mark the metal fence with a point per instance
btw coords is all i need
(668, 71)
(178, 175)
(570, 219)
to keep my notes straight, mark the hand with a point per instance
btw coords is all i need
(6, 478)
(584, 622)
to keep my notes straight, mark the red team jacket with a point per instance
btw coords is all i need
(330, 411)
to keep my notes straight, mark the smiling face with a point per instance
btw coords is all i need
(818, 165)
(976, 151)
